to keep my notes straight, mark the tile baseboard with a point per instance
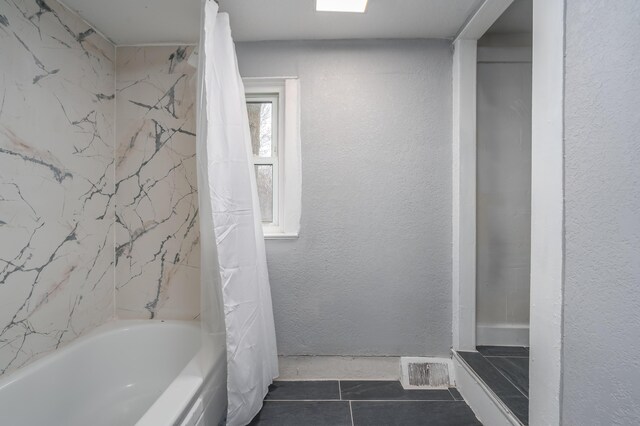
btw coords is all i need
(339, 368)
(502, 335)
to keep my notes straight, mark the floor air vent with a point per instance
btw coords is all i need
(426, 373)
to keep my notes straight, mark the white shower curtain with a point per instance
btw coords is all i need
(230, 213)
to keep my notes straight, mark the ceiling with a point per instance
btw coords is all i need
(131, 22)
(297, 19)
(128, 22)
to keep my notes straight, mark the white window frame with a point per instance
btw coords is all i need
(283, 92)
(272, 160)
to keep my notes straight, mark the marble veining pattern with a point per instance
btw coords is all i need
(157, 230)
(56, 179)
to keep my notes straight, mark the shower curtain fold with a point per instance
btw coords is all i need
(234, 269)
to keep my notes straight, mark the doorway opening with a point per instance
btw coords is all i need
(498, 352)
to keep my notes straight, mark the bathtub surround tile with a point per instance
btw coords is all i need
(70, 186)
(308, 413)
(56, 179)
(304, 390)
(180, 301)
(389, 390)
(157, 230)
(424, 413)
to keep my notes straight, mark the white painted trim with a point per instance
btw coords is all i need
(485, 16)
(486, 406)
(464, 195)
(280, 236)
(267, 80)
(288, 201)
(464, 171)
(292, 186)
(339, 368)
(502, 334)
(547, 213)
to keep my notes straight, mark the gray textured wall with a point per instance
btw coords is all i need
(601, 376)
(371, 271)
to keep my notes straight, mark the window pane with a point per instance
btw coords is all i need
(260, 124)
(264, 177)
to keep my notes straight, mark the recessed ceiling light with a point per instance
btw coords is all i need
(358, 6)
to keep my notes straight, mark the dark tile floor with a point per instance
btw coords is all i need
(354, 403)
(505, 369)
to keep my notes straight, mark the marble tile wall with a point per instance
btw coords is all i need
(56, 179)
(157, 230)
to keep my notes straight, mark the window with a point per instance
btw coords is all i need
(273, 111)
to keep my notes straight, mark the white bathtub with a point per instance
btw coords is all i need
(122, 373)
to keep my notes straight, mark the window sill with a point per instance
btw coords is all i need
(280, 236)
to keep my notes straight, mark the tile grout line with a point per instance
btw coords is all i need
(351, 412)
(499, 372)
(508, 356)
(499, 399)
(450, 398)
(504, 356)
(363, 400)
(452, 395)
(304, 400)
(508, 380)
